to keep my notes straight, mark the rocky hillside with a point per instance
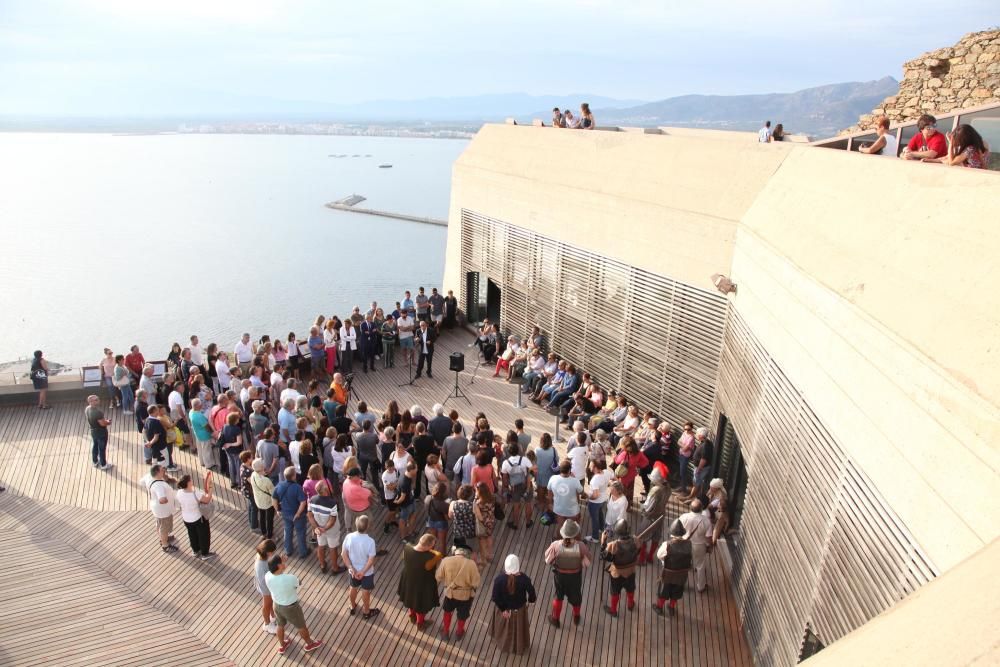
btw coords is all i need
(957, 77)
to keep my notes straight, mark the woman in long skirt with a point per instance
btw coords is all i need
(512, 593)
(417, 585)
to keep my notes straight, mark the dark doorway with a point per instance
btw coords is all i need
(492, 301)
(730, 467)
(475, 297)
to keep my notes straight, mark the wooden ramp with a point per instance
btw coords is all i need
(87, 583)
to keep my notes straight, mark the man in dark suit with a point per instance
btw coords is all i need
(424, 342)
(370, 342)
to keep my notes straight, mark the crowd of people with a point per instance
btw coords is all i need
(342, 481)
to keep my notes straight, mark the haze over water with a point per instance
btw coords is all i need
(115, 240)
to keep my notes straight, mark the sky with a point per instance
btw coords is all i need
(114, 57)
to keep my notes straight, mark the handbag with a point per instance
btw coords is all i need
(622, 469)
(207, 509)
(481, 529)
(498, 512)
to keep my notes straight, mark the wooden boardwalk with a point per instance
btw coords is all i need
(87, 584)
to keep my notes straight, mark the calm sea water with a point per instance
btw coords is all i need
(121, 240)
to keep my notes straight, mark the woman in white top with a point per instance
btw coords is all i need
(331, 339)
(400, 457)
(886, 144)
(293, 356)
(348, 345)
(191, 501)
(434, 471)
(617, 507)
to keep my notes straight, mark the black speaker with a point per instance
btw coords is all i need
(456, 362)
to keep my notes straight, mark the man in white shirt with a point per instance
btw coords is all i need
(197, 354)
(162, 504)
(764, 134)
(222, 371)
(290, 392)
(293, 452)
(244, 354)
(697, 526)
(146, 382)
(579, 455)
(405, 326)
(178, 414)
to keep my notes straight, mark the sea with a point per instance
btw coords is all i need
(115, 240)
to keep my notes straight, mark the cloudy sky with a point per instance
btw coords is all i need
(124, 56)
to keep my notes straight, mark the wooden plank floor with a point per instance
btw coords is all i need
(105, 594)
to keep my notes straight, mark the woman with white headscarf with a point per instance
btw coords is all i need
(512, 593)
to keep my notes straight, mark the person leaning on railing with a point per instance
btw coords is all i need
(927, 142)
(966, 148)
(885, 145)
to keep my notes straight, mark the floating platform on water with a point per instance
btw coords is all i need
(348, 204)
(347, 201)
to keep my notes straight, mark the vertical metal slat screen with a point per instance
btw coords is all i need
(818, 546)
(657, 339)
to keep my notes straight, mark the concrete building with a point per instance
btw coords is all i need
(851, 381)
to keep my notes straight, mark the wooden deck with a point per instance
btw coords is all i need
(85, 582)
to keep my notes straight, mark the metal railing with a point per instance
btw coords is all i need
(990, 129)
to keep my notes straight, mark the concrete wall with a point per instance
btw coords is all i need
(642, 199)
(868, 281)
(951, 622)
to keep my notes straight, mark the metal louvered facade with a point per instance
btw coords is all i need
(657, 339)
(818, 547)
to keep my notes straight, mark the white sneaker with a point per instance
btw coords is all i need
(270, 628)
(126, 412)
(105, 466)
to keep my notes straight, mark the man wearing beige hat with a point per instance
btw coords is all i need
(567, 557)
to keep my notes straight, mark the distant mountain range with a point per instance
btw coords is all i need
(817, 111)
(820, 111)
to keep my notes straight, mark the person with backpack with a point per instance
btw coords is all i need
(567, 557)
(622, 554)
(515, 481)
(676, 557)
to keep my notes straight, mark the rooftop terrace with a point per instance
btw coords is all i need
(90, 573)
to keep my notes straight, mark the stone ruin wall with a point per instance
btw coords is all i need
(957, 77)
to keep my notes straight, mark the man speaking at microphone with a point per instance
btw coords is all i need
(425, 347)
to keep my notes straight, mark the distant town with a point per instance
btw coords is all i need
(433, 130)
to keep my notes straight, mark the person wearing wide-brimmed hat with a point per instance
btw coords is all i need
(460, 576)
(675, 556)
(623, 554)
(567, 557)
(512, 593)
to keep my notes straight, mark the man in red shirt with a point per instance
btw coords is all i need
(927, 143)
(134, 361)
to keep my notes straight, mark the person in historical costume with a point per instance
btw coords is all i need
(417, 584)
(461, 579)
(512, 593)
(567, 557)
(675, 556)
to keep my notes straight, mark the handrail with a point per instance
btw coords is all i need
(954, 115)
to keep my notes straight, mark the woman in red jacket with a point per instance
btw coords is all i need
(628, 461)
